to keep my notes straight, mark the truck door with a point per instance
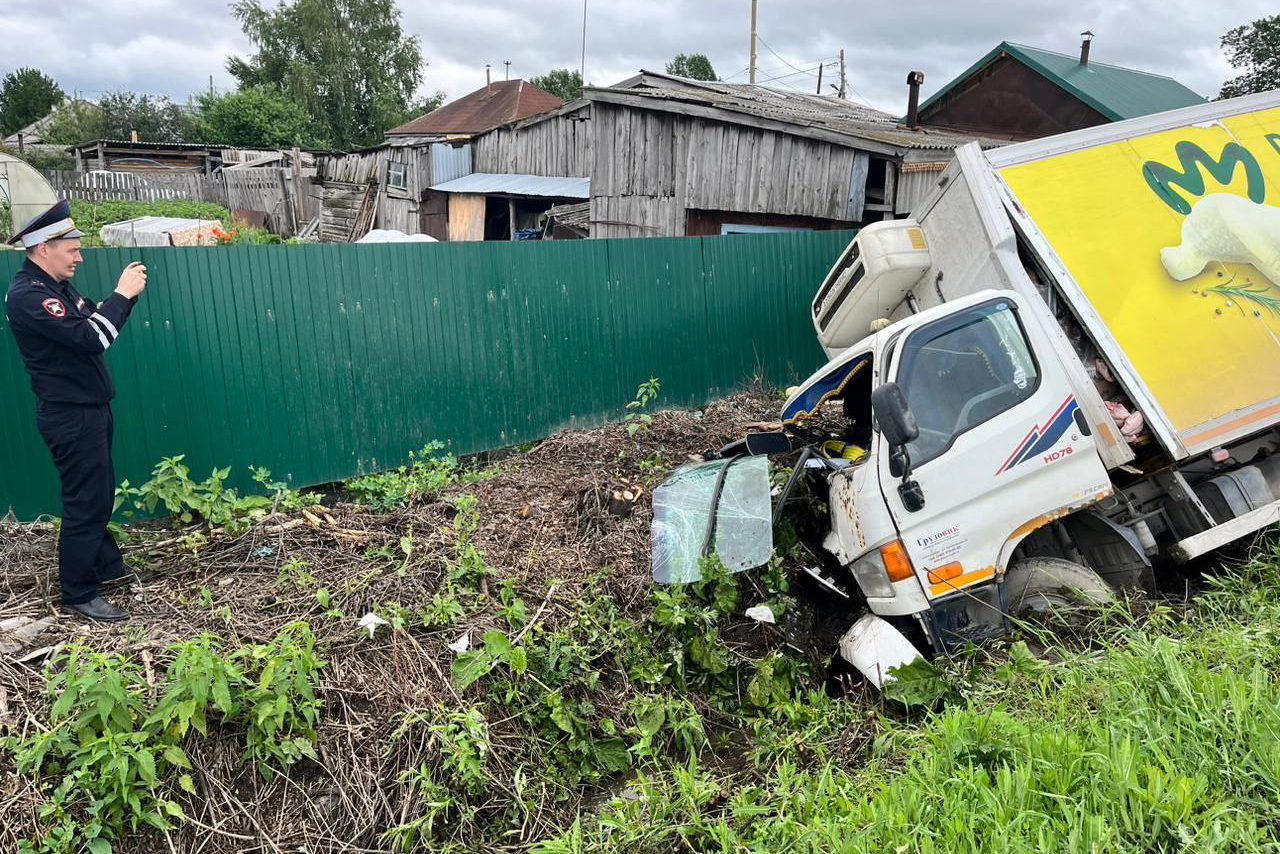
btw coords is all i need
(1001, 448)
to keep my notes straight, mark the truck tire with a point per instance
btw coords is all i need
(1040, 585)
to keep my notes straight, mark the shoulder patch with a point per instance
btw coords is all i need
(54, 307)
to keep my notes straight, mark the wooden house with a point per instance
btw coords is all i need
(1021, 92)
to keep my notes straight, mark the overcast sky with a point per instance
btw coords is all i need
(172, 47)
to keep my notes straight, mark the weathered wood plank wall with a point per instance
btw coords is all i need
(397, 207)
(650, 167)
(339, 204)
(558, 146)
(288, 204)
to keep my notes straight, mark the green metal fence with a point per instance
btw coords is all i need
(320, 362)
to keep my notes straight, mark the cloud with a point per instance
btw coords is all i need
(173, 47)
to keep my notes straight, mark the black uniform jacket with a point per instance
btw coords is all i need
(62, 336)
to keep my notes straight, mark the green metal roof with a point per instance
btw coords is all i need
(1118, 93)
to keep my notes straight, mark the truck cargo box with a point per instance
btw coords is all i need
(1164, 234)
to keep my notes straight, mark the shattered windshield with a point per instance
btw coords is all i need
(743, 535)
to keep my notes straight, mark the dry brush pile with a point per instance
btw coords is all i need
(466, 666)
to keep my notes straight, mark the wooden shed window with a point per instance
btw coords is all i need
(397, 175)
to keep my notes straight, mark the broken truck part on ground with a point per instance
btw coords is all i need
(1057, 377)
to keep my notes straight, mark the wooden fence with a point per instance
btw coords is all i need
(284, 195)
(136, 186)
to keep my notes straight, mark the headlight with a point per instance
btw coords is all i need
(869, 572)
(876, 572)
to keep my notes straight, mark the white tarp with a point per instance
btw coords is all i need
(159, 231)
(391, 235)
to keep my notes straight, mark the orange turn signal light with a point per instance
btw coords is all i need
(946, 572)
(896, 563)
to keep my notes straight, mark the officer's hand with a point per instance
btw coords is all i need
(133, 280)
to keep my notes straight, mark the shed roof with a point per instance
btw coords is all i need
(484, 109)
(822, 116)
(143, 146)
(1116, 92)
(541, 186)
(204, 147)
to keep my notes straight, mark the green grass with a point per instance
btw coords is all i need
(91, 216)
(1168, 739)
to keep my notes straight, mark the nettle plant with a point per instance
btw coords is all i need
(172, 489)
(110, 758)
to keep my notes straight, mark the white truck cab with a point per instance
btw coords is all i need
(1002, 450)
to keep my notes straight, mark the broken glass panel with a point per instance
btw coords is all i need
(743, 535)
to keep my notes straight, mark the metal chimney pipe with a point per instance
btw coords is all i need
(1085, 38)
(487, 82)
(914, 80)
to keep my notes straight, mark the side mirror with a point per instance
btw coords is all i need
(899, 462)
(755, 445)
(767, 444)
(897, 424)
(899, 428)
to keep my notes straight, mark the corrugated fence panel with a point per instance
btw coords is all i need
(660, 314)
(758, 297)
(320, 362)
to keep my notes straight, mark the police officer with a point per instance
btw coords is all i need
(62, 336)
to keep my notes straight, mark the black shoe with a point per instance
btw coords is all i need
(98, 609)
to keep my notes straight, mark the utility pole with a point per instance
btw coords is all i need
(818, 91)
(751, 64)
(582, 69)
(843, 94)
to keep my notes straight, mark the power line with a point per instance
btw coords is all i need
(775, 53)
(780, 77)
(810, 62)
(864, 102)
(785, 76)
(824, 62)
(811, 72)
(791, 88)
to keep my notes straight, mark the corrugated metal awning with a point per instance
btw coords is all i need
(542, 186)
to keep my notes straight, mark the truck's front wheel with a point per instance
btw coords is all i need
(1039, 585)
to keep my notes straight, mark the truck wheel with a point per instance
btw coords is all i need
(1039, 585)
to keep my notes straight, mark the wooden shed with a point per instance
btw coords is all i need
(119, 155)
(115, 155)
(391, 184)
(669, 156)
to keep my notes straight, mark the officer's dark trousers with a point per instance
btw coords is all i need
(80, 439)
